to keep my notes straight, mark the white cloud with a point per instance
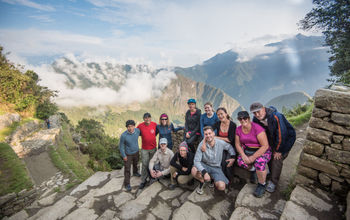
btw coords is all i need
(43, 18)
(137, 87)
(31, 4)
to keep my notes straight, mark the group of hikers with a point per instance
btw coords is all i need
(259, 145)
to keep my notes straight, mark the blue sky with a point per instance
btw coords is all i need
(156, 32)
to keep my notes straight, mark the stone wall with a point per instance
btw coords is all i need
(326, 155)
(14, 202)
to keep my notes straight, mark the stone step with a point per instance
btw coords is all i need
(247, 206)
(306, 203)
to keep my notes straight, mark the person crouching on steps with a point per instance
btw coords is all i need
(253, 148)
(180, 166)
(159, 165)
(129, 149)
(207, 164)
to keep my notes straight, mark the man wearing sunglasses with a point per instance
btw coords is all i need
(281, 136)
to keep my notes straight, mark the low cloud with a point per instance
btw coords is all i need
(137, 86)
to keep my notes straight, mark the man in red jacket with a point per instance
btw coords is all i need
(149, 143)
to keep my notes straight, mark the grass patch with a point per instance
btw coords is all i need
(13, 174)
(288, 191)
(301, 118)
(68, 161)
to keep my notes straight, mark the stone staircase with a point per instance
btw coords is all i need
(102, 197)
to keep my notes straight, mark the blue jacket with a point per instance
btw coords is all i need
(280, 132)
(165, 132)
(205, 121)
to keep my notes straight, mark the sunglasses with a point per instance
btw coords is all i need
(244, 118)
(163, 119)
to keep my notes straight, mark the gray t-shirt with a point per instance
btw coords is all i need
(213, 155)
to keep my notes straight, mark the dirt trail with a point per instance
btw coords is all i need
(291, 162)
(40, 167)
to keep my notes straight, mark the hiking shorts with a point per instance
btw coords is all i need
(216, 173)
(260, 162)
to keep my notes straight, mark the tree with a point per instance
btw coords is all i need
(333, 18)
(45, 109)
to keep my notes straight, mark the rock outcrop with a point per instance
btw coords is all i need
(306, 203)
(7, 119)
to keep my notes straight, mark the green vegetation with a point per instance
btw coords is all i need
(22, 91)
(102, 149)
(332, 16)
(288, 191)
(13, 174)
(300, 114)
(65, 159)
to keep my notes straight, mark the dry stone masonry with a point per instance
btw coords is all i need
(325, 161)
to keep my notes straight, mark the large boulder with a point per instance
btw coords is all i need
(7, 119)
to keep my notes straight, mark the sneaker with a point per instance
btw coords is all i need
(199, 190)
(172, 186)
(211, 184)
(271, 187)
(142, 185)
(137, 174)
(128, 188)
(253, 177)
(260, 190)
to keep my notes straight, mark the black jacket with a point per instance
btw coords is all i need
(192, 122)
(182, 162)
(231, 131)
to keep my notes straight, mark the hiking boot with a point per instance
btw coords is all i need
(260, 190)
(142, 185)
(137, 174)
(128, 188)
(271, 187)
(253, 177)
(200, 188)
(172, 186)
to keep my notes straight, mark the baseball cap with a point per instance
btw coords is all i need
(256, 106)
(191, 101)
(163, 141)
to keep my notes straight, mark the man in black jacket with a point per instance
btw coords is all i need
(281, 136)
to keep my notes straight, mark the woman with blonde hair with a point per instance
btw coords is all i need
(165, 128)
(209, 118)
